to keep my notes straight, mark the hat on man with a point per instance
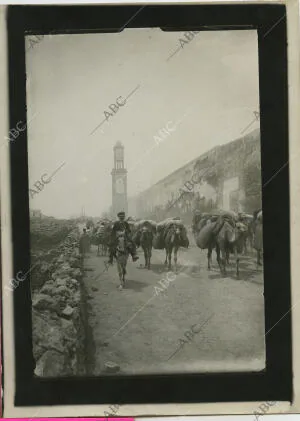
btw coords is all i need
(121, 214)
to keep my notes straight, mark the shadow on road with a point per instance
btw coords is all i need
(136, 286)
(156, 268)
(247, 273)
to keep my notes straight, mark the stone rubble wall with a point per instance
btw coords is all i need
(58, 311)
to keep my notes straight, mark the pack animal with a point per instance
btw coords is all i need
(225, 236)
(146, 241)
(121, 257)
(173, 239)
(258, 237)
(230, 239)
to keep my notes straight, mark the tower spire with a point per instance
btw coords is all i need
(119, 180)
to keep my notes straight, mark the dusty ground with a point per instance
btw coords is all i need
(142, 329)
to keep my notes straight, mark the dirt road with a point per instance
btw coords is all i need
(198, 322)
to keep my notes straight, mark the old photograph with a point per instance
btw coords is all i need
(145, 189)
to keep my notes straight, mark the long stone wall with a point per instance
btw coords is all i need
(58, 311)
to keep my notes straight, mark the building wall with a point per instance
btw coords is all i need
(226, 192)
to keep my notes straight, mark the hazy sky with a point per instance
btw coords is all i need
(210, 86)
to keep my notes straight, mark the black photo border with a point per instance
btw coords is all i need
(275, 382)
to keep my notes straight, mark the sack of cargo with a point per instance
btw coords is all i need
(146, 223)
(158, 241)
(153, 224)
(163, 224)
(173, 223)
(160, 226)
(177, 222)
(202, 223)
(205, 235)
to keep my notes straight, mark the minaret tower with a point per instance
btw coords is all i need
(119, 181)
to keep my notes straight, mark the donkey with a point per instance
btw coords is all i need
(146, 240)
(121, 257)
(173, 241)
(230, 239)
